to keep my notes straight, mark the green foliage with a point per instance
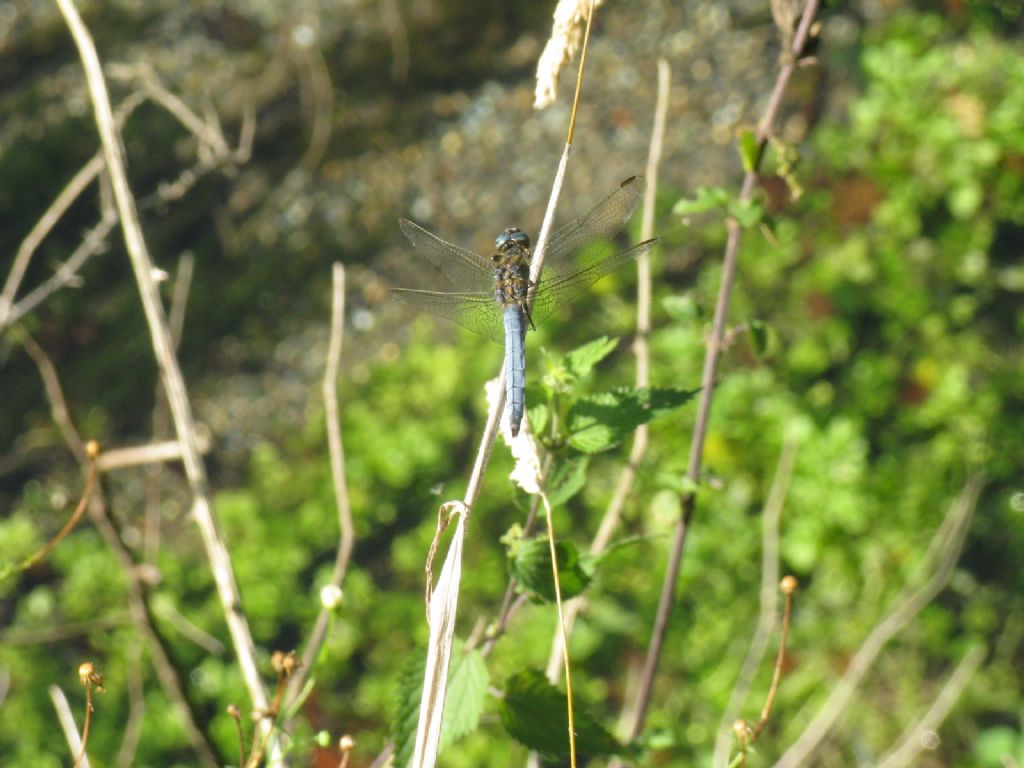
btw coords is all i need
(467, 689)
(882, 318)
(534, 713)
(530, 565)
(747, 213)
(600, 422)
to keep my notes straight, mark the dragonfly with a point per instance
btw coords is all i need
(494, 296)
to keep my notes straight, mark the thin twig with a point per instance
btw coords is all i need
(67, 723)
(346, 527)
(10, 312)
(55, 396)
(136, 708)
(138, 601)
(641, 348)
(170, 371)
(745, 735)
(93, 242)
(942, 555)
(92, 451)
(769, 601)
(789, 589)
(913, 740)
(90, 678)
(667, 598)
(85, 176)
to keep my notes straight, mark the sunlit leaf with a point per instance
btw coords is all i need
(531, 567)
(534, 713)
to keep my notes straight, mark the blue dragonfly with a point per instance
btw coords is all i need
(494, 296)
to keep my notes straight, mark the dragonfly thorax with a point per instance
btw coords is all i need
(512, 270)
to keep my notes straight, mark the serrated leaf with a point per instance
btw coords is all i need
(567, 480)
(750, 152)
(531, 567)
(534, 714)
(598, 422)
(403, 726)
(467, 691)
(582, 360)
(538, 416)
(464, 700)
(594, 437)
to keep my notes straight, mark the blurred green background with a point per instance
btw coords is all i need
(889, 295)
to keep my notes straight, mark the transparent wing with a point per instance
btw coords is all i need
(556, 291)
(478, 312)
(466, 270)
(603, 220)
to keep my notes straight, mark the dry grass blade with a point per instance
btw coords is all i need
(442, 609)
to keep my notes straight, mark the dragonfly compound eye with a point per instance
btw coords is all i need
(515, 235)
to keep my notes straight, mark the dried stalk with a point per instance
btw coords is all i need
(942, 555)
(711, 359)
(345, 524)
(769, 602)
(170, 371)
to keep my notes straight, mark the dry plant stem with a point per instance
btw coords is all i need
(85, 726)
(90, 484)
(911, 742)
(59, 410)
(85, 176)
(942, 555)
(261, 741)
(138, 598)
(711, 359)
(10, 313)
(170, 372)
(641, 348)
(136, 708)
(140, 455)
(93, 242)
(769, 601)
(337, 452)
(769, 701)
(161, 413)
(67, 723)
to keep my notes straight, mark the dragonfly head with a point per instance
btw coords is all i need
(512, 238)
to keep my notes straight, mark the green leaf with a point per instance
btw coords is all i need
(567, 479)
(464, 700)
(582, 360)
(707, 199)
(748, 213)
(758, 336)
(467, 691)
(531, 567)
(684, 308)
(599, 422)
(538, 416)
(750, 152)
(534, 714)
